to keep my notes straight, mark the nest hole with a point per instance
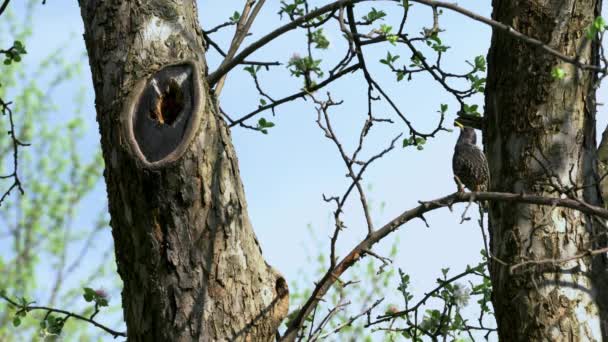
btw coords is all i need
(169, 104)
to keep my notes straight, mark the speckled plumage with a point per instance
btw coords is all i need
(469, 163)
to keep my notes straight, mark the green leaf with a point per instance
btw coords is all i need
(299, 66)
(318, 38)
(480, 63)
(408, 141)
(264, 124)
(374, 15)
(16, 321)
(558, 73)
(400, 75)
(102, 302)
(385, 29)
(250, 69)
(235, 17)
(471, 109)
(599, 24)
(89, 294)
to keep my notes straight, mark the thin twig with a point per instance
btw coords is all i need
(64, 312)
(325, 283)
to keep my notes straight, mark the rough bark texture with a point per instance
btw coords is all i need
(541, 130)
(191, 266)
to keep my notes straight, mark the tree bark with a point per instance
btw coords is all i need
(541, 131)
(186, 252)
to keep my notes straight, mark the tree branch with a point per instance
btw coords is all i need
(330, 277)
(67, 313)
(296, 95)
(511, 31)
(3, 7)
(215, 76)
(242, 28)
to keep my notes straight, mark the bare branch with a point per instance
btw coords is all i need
(214, 77)
(352, 319)
(3, 7)
(559, 261)
(242, 29)
(5, 109)
(511, 31)
(295, 96)
(325, 283)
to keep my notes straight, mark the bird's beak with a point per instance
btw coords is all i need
(458, 124)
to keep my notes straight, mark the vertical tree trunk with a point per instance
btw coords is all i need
(191, 266)
(541, 130)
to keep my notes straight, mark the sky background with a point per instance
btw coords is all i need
(286, 172)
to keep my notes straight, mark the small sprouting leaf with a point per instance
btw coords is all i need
(318, 37)
(408, 141)
(400, 75)
(251, 70)
(102, 302)
(385, 29)
(558, 73)
(293, 9)
(264, 124)
(598, 26)
(16, 321)
(235, 17)
(435, 43)
(89, 294)
(389, 59)
(480, 63)
(374, 15)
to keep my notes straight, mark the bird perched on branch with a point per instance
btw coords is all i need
(469, 164)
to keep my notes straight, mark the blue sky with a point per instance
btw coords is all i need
(286, 172)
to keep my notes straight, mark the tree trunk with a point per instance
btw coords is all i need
(541, 131)
(186, 252)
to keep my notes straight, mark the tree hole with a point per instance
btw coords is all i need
(281, 287)
(169, 104)
(163, 113)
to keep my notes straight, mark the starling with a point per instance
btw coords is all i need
(469, 164)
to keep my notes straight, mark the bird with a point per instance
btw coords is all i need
(469, 163)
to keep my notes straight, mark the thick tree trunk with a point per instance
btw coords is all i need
(191, 266)
(541, 130)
